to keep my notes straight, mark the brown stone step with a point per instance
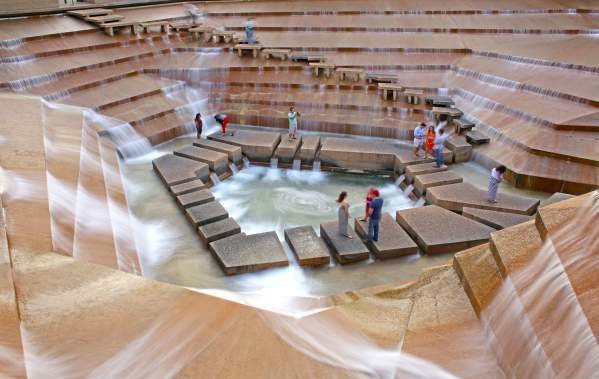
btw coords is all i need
(309, 249)
(393, 241)
(187, 187)
(218, 162)
(421, 169)
(175, 170)
(259, 146)
(218, 230)
(345, 250)
(232, 151)
(287, 148)
(206, 213)
(308, 149)
(192, 199)
(424, 181)
(495, 219)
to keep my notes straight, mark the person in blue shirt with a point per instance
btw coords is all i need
(375, 213)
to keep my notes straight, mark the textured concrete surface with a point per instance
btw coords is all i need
(459, 195)
(495, 219)
(233, 152)
(555, 198)
(437, 230)
(344, 249)
(241, 253)
(287, 149)
(358, 154)
(461, 149)
(393, 240)
(218, 230)
(476, 137)
(308, 247)
(424, 181)
(515, 247)
(310, 145)
(187, 187)
(259, 146)
(218, 162)
(175, 170)
(406, 158)
(192, 199)
(206, 213)
(421, 169)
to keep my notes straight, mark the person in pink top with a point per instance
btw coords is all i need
(369, 198)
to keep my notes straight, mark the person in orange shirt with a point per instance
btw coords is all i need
(430, 141)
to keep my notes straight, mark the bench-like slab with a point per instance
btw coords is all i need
(163, 25)
(182, 26)
(413, 95)
(282, 54)
(358, 154)
(218, 162)
(461, 149)
(206, 213)
(346, 250)
(111, 26)
(381, 77)
(241, 253)
(495, 219)
(83, 13)
(350, 73)
(462, 125)
(393, 241)
(450, 112)
(287, 148)
(437, 230)
(404, 159)
(456, 196)
(232, 151)
(253, 48)
(105, 18)
(226, 36)
(310, 145)
(258, 146)
(308, 248)
(477, 138)
(439, 101)
(424, 181)
(175, 170)
(422, 168)
(390, 88)
(205, 31)
(187, 187)
(307, 57)
(218, 230)
(192, 199)
(327, 68)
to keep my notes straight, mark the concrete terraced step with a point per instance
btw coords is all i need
(308, 248)
(194, 198)
(218, 230)
(358, 154)
(258, 146)
(206, 213)
(175, 170)
(309, 148)
(233, 152)
(441, 178)
(393, 241)
(406, 158)
(495, 219)
(218, 162)
(287, 148)
(421, 169)
(345, 250)
(187, 187)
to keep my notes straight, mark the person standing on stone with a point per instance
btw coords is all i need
(430, 141)
(439, 144)
(375, 214)
(199, 125)
(419, 133)
(343, 214)
(292, 116)
(442, 123)
(494, 180)
(369, 198)
(250, 34)
(223, 120)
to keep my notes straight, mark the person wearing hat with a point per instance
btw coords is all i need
(375, 213)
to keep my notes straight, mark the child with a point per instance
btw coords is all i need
(369, 197)
(419, 138)
(430, 141)
(199, 125)
(223, 120)
(494, 180)
(292, 116)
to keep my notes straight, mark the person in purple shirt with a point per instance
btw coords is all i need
(375, 213)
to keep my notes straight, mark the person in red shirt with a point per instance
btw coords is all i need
(223, 120)
(369, 197)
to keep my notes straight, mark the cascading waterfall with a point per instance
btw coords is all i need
(274, 162)
(246, 162)
(297, 163)
(408, 190)
(214, 178)
(400, 180)
(233, 168)
(316, 166)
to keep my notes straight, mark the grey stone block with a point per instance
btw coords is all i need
(187, 187)
(232, 151)
(206, 213)
(309, 249)
(192, 199)
(495, 219)
(218, 162)
(175, 170)
(218, 230)
(344, 249)
(258, 146)
(393, 240)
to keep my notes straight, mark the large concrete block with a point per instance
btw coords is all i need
(461, 149)
(456, 196)
(218, 230)
(187, 187)
(358, 154)
(556, 198)
(495, 219)
(175, 170)
(206, 213)
(287, 148)
(346, 250)
(192, 199)
(421, 169)
(258, 146)
(406, 158)
(309, 148)
(309, 249)
(424, 181)
(437, 230)
(241, 253)
(393, 240)
(232, 151)
(218, 162)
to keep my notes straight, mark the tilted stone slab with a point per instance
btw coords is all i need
(477, 138)
(218, 230)
(495, 219)
(393, 240)
(406, 158)
(206, 213)
(218, 162)
(421, 169)
(187, 187)
(258, 146)
(241, 253)
(556, 198)
(309, 148)
(358, 154)
(232, 151)
(437, 230)
(287, 148)
(175, 170)
(307, 246)
(456, 196)
(346, 250)
(424, 181)
(192, 199)
(461, 149)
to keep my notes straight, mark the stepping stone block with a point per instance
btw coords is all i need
(462, 125)
(206, 213)
(240, 253)
(556, 198)
(456, 196)
(495, 219)
(439, 101)
(257, 146)
(461, 149)
(437, 230)
(423, 168)
(192, 199)
(477, 138)
(175, 170)
(393, 240)
(308, 248)
(344, 249)
(191, 186)
(358, 154)
(218, 230)
(406, 158)
(218, 162)
(233, 152)
(424, 181)
(309, 148)
(287, 149)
